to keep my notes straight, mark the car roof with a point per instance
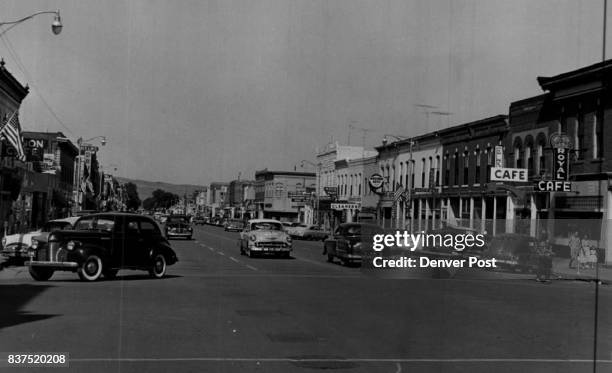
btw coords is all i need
(71, 220)
(264, 221)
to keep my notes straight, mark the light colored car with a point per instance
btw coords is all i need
(297, 230)
(314, 232)
(265, 236)
(15, 246)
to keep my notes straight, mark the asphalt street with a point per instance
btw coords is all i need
(218, 311)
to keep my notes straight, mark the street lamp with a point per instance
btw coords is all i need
(56, 25)
(318, 166)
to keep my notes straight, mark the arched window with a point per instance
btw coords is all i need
(423, 164)
(456, 175)
(478, 157)
(466, 167)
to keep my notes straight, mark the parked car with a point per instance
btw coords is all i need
(15, 246)
(296, 229)
(513, 252)
(198, 220)
(179, 226)
(314, 232)
(101, 245)
(264, 236)
(235, 225)
(346, 243)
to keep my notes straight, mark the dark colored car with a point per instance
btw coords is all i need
(234, 225)
(179, 226)
(347, 242)
(102, 244)
(513, 252)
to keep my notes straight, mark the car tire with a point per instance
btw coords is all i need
(323, 239)
(40, 273)
(330, 258)
(110, 274)
(91, 269)
(251, 254)
(188, 238)
(158, 270)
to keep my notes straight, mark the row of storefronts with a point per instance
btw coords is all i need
(558, 140)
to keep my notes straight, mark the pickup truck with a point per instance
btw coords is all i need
(100, 245)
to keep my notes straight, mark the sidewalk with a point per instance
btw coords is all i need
(561, 269)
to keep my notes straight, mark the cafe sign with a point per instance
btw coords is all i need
(561, 145)
(553, 186)
(508, 174)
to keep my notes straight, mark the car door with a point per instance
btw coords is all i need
(151, 236)
(133, 242)
(343, 242)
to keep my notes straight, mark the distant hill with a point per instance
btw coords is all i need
(146, 188)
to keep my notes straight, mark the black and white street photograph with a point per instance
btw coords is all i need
(359, 186)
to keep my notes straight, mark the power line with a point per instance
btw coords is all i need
(21, 66)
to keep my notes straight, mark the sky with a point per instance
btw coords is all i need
(201, 91)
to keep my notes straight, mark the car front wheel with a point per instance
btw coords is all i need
(91, 270)
(40, 273)
(158, 270)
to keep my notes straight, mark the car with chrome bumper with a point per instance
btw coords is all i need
(15, 247)
(348, 242)
(265, 236)
(101, 245)
(179, 226)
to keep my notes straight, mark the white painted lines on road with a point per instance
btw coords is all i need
(234, 259)
(230, 257)
(251, 267)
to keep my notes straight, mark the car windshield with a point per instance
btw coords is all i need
(268, 226)
(177, 219)
(92, 224)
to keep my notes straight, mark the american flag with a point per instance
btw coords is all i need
(12, 132)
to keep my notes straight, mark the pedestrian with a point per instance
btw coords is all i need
(544, 256)
(584, 254)
(574, 245)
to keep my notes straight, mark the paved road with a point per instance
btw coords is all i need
(218, 311)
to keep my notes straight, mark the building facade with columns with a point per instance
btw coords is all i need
(576, 104)
(467, 195)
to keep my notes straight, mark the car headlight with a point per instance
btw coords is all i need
(252, 238)
(3, 241)
(288, 239)
(71, 245)
(34, 244)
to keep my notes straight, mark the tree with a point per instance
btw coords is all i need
(133, 200)
(160, 199)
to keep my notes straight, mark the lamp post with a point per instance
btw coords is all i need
(318, 166)
(56, 25)
(79, 170)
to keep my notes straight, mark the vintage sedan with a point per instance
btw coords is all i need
(179, 226)
(313, 232)
(265, 236)
(233, 225)
(348, 240)
(15, 246)
(101, 245)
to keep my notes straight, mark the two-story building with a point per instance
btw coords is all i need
(282, 195)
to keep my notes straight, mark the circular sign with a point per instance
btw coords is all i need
(376, 181)
(560, 141)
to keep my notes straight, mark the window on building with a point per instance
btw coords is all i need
(466, 167)
(598, 135)
(447, 170)
(541, 158)
(412, 173)
(579, 135)
(437, 177)
(477, 170)
(423, 168)
(528, 155)
(518, 156)
(489, 154)
(456, 173)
